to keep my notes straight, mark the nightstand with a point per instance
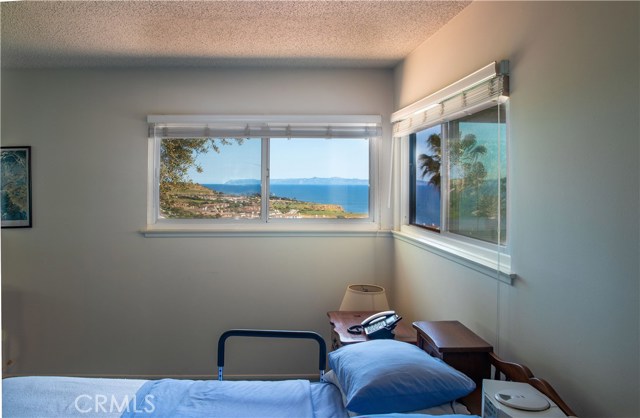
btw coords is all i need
(342, 320)
(460, 348)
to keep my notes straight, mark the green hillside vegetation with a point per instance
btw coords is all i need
(308, 209)
(194, 201)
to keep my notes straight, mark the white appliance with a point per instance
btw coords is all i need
(502, 399)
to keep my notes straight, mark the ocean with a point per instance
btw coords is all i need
(352, 198)
(427, 203)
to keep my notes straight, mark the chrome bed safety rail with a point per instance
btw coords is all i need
(263, 333)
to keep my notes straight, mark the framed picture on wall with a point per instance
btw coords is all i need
(15, 175)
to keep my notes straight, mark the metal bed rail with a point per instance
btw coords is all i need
(262, 333)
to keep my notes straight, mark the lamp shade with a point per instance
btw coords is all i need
(364, 297)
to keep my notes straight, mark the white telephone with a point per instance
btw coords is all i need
(378, 325)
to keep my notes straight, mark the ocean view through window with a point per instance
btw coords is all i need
(319, 178)
(301, 198)
(308, 178)
(226, 178)
(226, 172)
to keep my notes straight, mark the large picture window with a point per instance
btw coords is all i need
(323, 174)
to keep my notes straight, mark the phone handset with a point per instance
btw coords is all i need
(379, 316)
(379, 325)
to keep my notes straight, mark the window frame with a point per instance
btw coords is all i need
(156, 223)
(372, 209)
(479, 90)
(489, 258)
(445, 168)
(410, 218)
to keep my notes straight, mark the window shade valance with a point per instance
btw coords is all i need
(200, 126)
(478, 91)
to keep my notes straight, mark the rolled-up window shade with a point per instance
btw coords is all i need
(480, 92)
(167, 126)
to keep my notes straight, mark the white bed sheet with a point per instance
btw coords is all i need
(53, 396)
(57, 397)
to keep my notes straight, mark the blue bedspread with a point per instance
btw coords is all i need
(228, 399)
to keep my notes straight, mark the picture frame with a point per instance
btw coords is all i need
(15, 187)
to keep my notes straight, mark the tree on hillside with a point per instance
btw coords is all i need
(178, 156)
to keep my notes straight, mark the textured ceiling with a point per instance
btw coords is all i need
(46, 34)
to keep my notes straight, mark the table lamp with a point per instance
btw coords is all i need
(364, 297)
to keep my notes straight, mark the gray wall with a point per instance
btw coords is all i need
(573, 314)
(85, 293)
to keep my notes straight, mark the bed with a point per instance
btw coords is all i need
(380, 377)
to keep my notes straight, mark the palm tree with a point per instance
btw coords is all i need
(466, 151)
(430, 163)
(464, 154)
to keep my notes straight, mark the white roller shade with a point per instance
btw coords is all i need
(476, 92)
(280, 126)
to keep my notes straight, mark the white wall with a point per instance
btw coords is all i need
(573, 314)
(85, 293)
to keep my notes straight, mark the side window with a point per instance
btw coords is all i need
(458, 176)
(477, 180)
(453, 183)
(425, 175)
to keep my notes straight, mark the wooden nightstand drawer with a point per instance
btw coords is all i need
(457, 345)
(429, 348)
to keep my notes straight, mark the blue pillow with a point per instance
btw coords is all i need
(383, 376)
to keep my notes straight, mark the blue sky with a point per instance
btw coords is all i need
(290, 158)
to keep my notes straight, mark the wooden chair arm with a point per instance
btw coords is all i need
(520, 373)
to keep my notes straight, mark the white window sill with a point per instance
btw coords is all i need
(490, 262)
(368, 229)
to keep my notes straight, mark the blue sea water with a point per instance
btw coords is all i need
(427, 209)
(352, 198)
